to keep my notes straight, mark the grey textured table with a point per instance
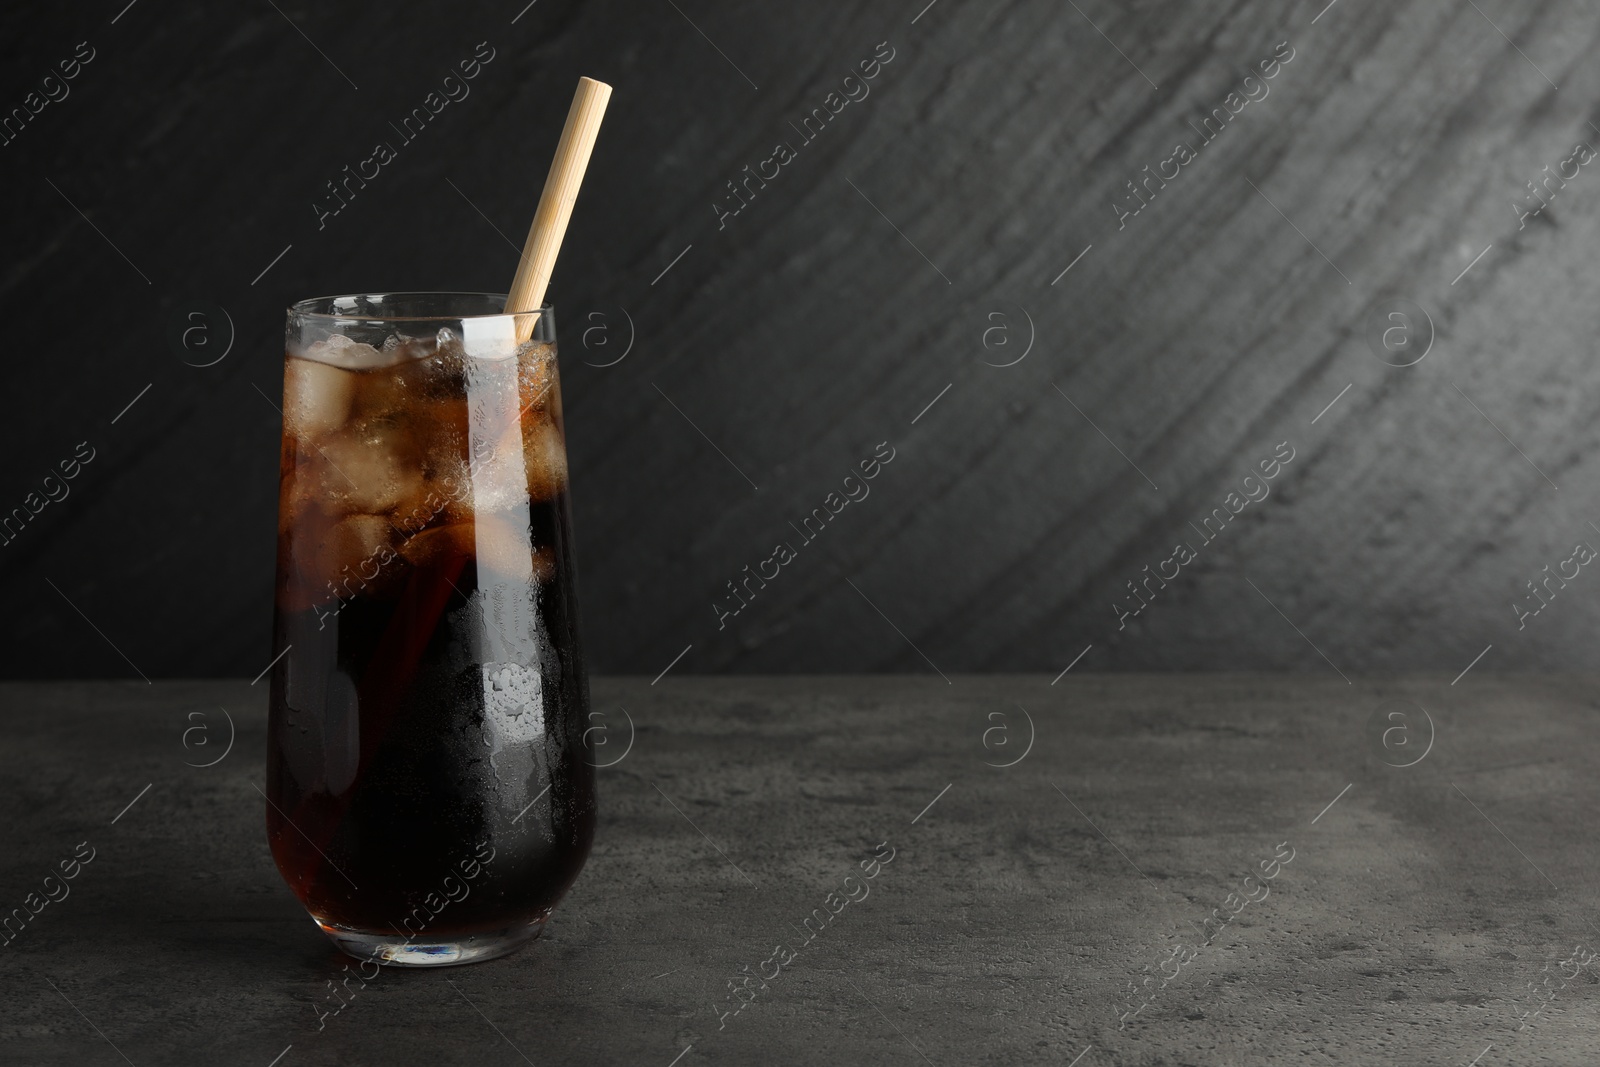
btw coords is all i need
(1430, 913)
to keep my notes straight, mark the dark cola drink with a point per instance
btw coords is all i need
(430, 797)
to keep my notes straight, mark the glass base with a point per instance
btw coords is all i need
(393, 951)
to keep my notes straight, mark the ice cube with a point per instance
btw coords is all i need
(303, 525)
(298, 506)
(418, 508)
(498, 484)
(538, 384)
(503, 545)
(370, 466)
(316, 397)
(487, 474)
(439, 428)
(356, 555)
(437, 544)
(545, 454)
(377, 392)
(499, 543)
(345, 352)
(444, 494)
(432, 370)
(527, 465)
(481, 486)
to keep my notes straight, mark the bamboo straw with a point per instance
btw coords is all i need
(555, 204)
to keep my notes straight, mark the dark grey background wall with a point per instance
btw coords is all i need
(910, 255)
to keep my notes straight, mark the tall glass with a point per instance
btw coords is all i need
(429, 795)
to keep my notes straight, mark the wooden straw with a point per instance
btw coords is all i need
(555, 204)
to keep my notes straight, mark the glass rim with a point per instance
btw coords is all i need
(308, 308)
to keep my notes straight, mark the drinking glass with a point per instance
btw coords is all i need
(429, 795)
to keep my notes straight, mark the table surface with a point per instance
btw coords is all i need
(1437, 905)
